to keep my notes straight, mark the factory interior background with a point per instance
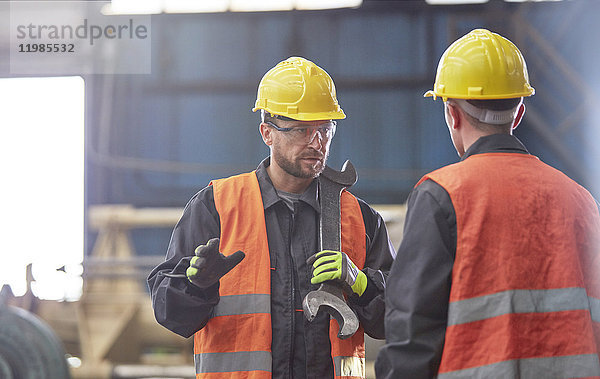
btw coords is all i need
(99, 160)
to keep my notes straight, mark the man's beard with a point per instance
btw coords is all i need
(294, 168)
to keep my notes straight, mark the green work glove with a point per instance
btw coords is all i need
(335, 265)
(208, 265)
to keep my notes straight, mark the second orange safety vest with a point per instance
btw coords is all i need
(525, 294)
(236, 341)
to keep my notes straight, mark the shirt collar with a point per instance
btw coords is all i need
(269, 193)
(495, 143)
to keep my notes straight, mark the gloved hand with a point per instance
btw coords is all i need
(335, 265)
(209, 265)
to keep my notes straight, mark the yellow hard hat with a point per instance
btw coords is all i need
(299, 89)
(481, 65)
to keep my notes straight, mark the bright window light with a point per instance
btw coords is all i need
(41, 150)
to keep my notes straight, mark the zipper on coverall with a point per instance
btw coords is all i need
(293, 293)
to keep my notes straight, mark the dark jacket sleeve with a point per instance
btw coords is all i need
(418, 287)
(179, 305)
(370, 307)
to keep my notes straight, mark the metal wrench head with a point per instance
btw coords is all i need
(331, 302)
(346, 177)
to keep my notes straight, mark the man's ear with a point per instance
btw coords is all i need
(519, 116)
(454, 115)
(266, 133)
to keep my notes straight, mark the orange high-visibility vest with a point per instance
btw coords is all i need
(236, 341)
(525, 295)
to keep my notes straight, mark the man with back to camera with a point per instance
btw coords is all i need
(243, 242)
(497, 275)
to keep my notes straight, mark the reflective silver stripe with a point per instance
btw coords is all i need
(243, 304)
(595, 308)
(573, 366)
(232, 362)
(349, 366)
(518, 301)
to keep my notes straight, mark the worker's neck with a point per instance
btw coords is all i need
(471, 134)
(286, 182)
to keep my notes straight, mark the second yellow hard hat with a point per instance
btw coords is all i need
(481, 65)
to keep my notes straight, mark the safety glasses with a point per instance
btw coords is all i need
(306, 134)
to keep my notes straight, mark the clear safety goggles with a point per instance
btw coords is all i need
(306, 134)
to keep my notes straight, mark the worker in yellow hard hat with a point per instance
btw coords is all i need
(498, 273)
(245, 252)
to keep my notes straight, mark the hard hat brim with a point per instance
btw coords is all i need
(431, 93)
(309, 116)
(529, 92)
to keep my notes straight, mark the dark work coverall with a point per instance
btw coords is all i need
(300, 349)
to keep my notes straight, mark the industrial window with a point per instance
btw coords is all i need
(42, 202)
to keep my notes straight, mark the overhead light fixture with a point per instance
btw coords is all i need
(194, 6)
(529, 1)
(261, 5)
(215, 6)
(455, 2)
(134, 7)
(327, 4)
(459, 2)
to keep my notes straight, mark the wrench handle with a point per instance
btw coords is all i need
(330, 295)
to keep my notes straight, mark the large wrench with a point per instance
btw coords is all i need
(330, 295)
